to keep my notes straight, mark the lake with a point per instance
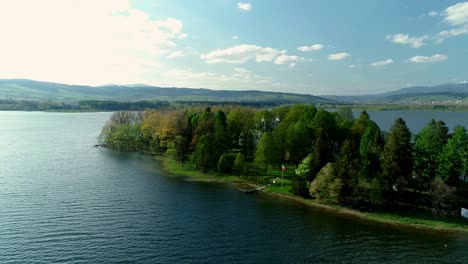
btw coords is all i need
(64, 201)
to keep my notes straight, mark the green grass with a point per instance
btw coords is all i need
(175, 169)
(420, 221)
(414, 220)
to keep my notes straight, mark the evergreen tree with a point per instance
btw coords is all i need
(397, 159)
(347, 169)
(220, 132)
(428, 146)
(370, 148)
(453, 162)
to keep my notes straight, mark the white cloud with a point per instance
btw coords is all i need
(425, 59)
(285, 59)
(382, 63)
(83, 42)
(433, 13)
(175, 54)
(291, 60)
(241, 54)
(244, 6)
(441, 36)
(404, 39)
(235, 37)
(351, 66)
(311, 47)
(457, 14)
(238, 78)
(338, 56)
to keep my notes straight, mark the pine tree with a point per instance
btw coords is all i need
(397, 160)
(428, 147)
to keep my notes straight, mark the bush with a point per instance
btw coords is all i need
(225, 163)
(442, 197)
(239, 163)
(326, 186)
(299, 186)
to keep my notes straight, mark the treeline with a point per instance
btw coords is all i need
(109, 105)
(402, 107)
(335, 158)
(35, 105)
(86, 105)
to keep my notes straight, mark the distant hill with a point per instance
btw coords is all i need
(36, 90)
(444, 93)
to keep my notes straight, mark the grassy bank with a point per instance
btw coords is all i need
(417, 221)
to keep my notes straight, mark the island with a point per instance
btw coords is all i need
(321, 158)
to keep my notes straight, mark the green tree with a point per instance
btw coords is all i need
(205, 153)
(300, 180)
(221, 136)
(266, 153)
(346, 113)
(239, 163)
(224, 164)
(454, 157)
(428, 146)
(370, 148)
(299, 141)
(326, 186)
(181, 147)
(397, 159)
(241, 127)
(303, 169)
(265, 121)
(325, 143)
(347, 169)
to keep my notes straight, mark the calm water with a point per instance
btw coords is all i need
(416, 120)
(63, 201)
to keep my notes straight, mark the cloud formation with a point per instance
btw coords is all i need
(404, 39)
(441, 36)
(291, 60)
(338, 56)
(86, 41)
(426, 59)
(242, 53)
(457, 14)
(314, 47)
(382, 63)
(244, 6)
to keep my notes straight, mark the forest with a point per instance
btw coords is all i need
(332, 157)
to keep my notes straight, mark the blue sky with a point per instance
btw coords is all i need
(314, 47)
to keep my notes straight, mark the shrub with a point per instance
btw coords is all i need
(326, 186)
(225, 163)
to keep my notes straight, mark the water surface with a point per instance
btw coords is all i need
(63, 201)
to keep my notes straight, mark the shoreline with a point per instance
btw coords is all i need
(174, 169)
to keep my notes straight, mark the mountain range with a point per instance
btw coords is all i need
(24, 89)
(36, 90)
(450, 92)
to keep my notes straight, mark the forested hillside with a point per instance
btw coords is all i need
(45, 91)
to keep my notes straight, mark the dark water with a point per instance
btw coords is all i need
(63, 201)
